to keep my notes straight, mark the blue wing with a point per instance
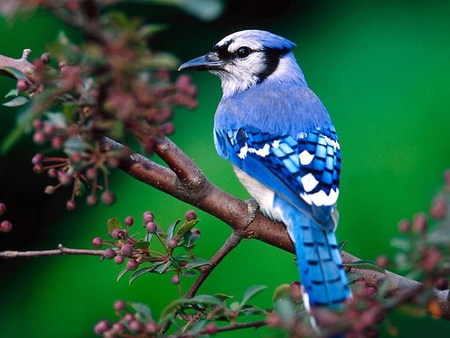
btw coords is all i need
(305, 169)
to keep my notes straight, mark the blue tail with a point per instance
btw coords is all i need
(319, 261)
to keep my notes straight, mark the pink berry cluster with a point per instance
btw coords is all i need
(5, 225)
(81, 171)
(126, 248)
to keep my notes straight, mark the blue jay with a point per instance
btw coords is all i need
(284, 150)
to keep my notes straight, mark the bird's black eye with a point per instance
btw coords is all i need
(243, 52)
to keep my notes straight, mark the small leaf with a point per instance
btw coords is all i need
(171, 229)
(140, 272)
(113, 223)
(122, 273)
(14, 72)
(251, 292)
(365, 265)
(353, 277)
(141, 244)
(12, 92)
(189, 274)
(282, 291)
(163, 267)
(342, 245)
(188, 225)
(16, 102)
(251, 310)
(223, 296)
(143, 312)
(195, 263)
(285, 308)
(207, 300)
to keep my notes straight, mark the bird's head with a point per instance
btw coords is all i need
(247, 58)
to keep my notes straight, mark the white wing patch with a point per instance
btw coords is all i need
(309, 182)
(305, 157)
(263, 152)
(320, 198)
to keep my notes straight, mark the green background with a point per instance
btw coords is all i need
(382, 70)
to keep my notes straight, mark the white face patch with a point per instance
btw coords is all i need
(276, 144)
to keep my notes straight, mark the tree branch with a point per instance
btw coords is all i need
(60, 251)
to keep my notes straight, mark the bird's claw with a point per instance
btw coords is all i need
(253, 208)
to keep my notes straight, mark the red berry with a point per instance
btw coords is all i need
(404, 226)
(441, 283)
(22, 84)
(148, 217)
(39, 137)
(382, 261)
(108, 198)
(132, 264)
(37, 159)
(71, 205)
(97, 242)
(109, 253)
(38, 168)
(119, 259)
(91, 173)
(175, 279)
(439, 207)
(119, 305)
(127, 250)
(151, 227)
(172, 243)
(190, 215)
(211, 329)
(136, 326)
(57, 142)
(152, 327)
(2, 208)
(420, 223)
(129, 221)
(5, 226)
(101, 327)
(92, 200)
(45, 58)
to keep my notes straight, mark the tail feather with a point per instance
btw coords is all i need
(319, 262)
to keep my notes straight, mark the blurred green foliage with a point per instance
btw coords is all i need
(380, 67)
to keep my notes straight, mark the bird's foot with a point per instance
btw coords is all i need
(253, 208)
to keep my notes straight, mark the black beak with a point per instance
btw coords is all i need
(209, 61)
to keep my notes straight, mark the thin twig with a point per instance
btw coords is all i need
(60, 251)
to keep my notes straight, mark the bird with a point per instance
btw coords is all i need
(284, 150)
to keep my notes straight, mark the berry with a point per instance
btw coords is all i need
(91, 173)
(39, 137)
(152, 327)
(57, 142)
(37, 124)
(136, 326)
(2, 208)
(382, 261)
(38, 168)
(172, 243)
(37, 159)
(52, 172)
(129, 317)
(108, 198)
(441, 283)
(109, 253)
(420, 223)
(404, 226)
(132, 264)
(119, 234)
(92, 200)
(119, 305)
(119, 259)
(127, 250)
(64, 177)
(190, 215)
(97, 242)
(148, 217)
(22, 85)
(118, 327)
(71, 205)
(175, 279)
(101, 327)
(439, 207)
(211, 329)
(5, 226)
(151, 227)
(45, 58)
(129, 221)
(196, 232)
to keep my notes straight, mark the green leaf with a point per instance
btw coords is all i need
(170, 231)
(113, 223)
(207, 300)
(251, 292)
(342, 245)
(353, 277)
(16, 102)
(122, 273)
(195, 263)
(14, 73)
(365, 265)
(163, 267)
(251, 310)
(188, 225)
(140, 272)
(141, 244)
(12, 92)
(282, 291)
(401, 243)
(200, 299)
(143, 312)
(223, 296)
(285, 308)
(189, 274)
